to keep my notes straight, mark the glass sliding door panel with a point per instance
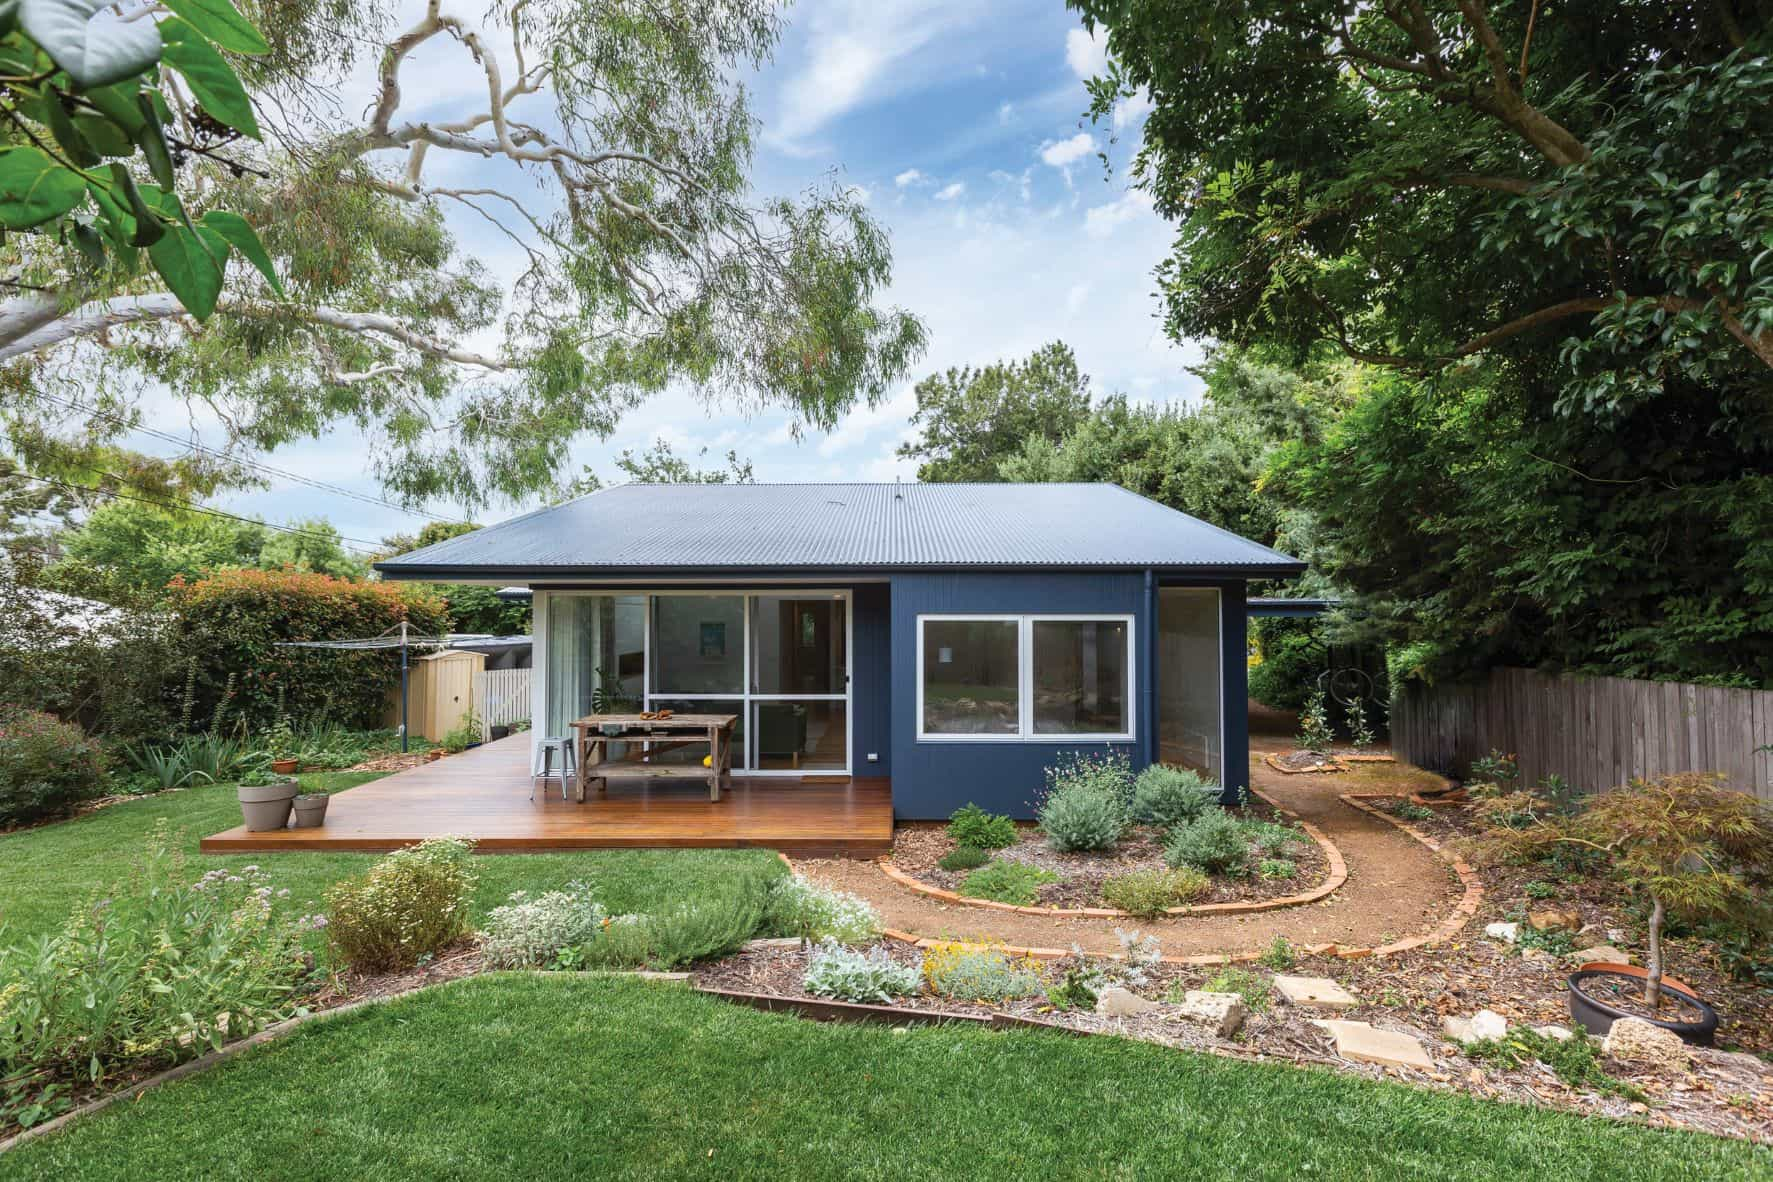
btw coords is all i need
(798, 645)
(1189, 684)
(1080, 677)
(800, 736)
(698, 644)
(692, 753)
(596, 656)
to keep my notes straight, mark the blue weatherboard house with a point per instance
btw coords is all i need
(956, 638)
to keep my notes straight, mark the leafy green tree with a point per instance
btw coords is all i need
(610, 147)
(1580, 192)
(126, 545)
(470, 608)
(659, 464)
(972, 419)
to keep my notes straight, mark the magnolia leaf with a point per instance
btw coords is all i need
(106, 137)
(191, 263)
(239, 232)
(211, 79)
(94, 53)
(222, 23)
(151, 136)
(35, 189)
(146, 227)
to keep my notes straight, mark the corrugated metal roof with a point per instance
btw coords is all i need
(829, 527)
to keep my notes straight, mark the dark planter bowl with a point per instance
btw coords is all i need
(1597, 1016)
(494, 733)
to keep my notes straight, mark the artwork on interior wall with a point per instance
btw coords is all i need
(713, 638)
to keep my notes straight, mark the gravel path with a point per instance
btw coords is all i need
(1396, 887)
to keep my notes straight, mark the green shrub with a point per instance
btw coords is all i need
(157, 969)
(871, 976)
(970, 972)
(797, 907)
(684, 934)
(1271, 840)
(532, 931)
(1314, 725)
(230, 622)
(1167, 796)
(1152, 892)
(47, 768)
(1082, 817)
(1540, 889)
(1109, 772)
(412, 904)
(1277, 868)
(1280, 955)
(973, 826)
(1006, 882)
(1214, 844)
(1409, 810)
(1253, 987)
(963, 857)
(1575, 1060)
(1080, 980)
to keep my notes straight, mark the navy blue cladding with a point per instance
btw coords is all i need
(871, 679)
(933, 778)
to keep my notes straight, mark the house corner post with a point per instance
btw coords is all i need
(1234, 661)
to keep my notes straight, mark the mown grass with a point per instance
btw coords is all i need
(562, 1077)
(46, 871)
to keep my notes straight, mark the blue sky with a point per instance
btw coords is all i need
(963, 125)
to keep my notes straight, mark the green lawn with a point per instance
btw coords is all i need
(46, 871)
(518, 1076)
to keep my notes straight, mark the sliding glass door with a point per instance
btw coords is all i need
(779, 661)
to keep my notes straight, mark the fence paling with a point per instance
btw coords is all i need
(502, 697)
(1594, 732)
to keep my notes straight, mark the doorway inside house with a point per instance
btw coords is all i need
(779, 660)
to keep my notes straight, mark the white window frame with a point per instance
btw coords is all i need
(1025, 732)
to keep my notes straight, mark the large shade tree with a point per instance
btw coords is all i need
(606, 147)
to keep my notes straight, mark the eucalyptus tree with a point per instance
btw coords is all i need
(603, 150)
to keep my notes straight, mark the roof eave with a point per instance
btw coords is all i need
(509, 574)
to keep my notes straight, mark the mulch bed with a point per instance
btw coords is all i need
(1720, 1092)
(917, 848)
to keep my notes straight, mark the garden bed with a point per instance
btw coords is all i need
(1718, 1092)
(918, 849)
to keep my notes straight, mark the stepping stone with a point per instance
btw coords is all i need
(1360, 1043)
(1489, 1026)
(1315, 991)
(1224, 1012)
(1603, 953)
(1115, 1002)
(1508, 933)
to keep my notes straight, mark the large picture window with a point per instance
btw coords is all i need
(1025, 677)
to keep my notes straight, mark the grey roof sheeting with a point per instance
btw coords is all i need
(836, 527)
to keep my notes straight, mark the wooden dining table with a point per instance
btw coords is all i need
(647, 738)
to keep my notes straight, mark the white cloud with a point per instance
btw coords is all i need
(1064, 153)
(1086, 53)
(910, 176)
(950, 192)
(1132, 109)
(1006, 111)
(860, 193)
(1074, 299)
(1022, 182)
(1103, 220)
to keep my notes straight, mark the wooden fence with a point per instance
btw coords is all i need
(1595, 732)
(501, 697)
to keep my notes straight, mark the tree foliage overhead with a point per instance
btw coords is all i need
(1579, 191)
(972, 418)
(609, 151)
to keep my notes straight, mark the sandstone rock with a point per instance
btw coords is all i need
(1561, 1033)
(1615, 935)
(1508, 933)
(1315, 991)
(1224, 1012)
(1361, 1043)
(1604, 953)
(1489, 1026)
(1115, 1002)
(1633, 1040)
(1555, 919)
(1458, 1029)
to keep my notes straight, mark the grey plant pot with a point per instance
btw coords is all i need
(310, 810)
(266, 806)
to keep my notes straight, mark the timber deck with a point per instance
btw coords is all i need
(484, 793)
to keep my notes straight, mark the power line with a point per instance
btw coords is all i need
(310, 481)
(188, 507)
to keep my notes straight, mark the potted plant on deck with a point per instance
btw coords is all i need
(1683, 843)
(281, 742)
(266, 799)
(310, 809)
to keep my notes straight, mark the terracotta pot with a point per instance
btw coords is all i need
(310, 810)
(266, 806)
(433, 756)
(283, 767)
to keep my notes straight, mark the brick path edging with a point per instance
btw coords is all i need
(1337, 876)
(1461, 914)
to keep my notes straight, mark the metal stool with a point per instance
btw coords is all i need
(549, 746)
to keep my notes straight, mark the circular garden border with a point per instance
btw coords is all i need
(1332, 882)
